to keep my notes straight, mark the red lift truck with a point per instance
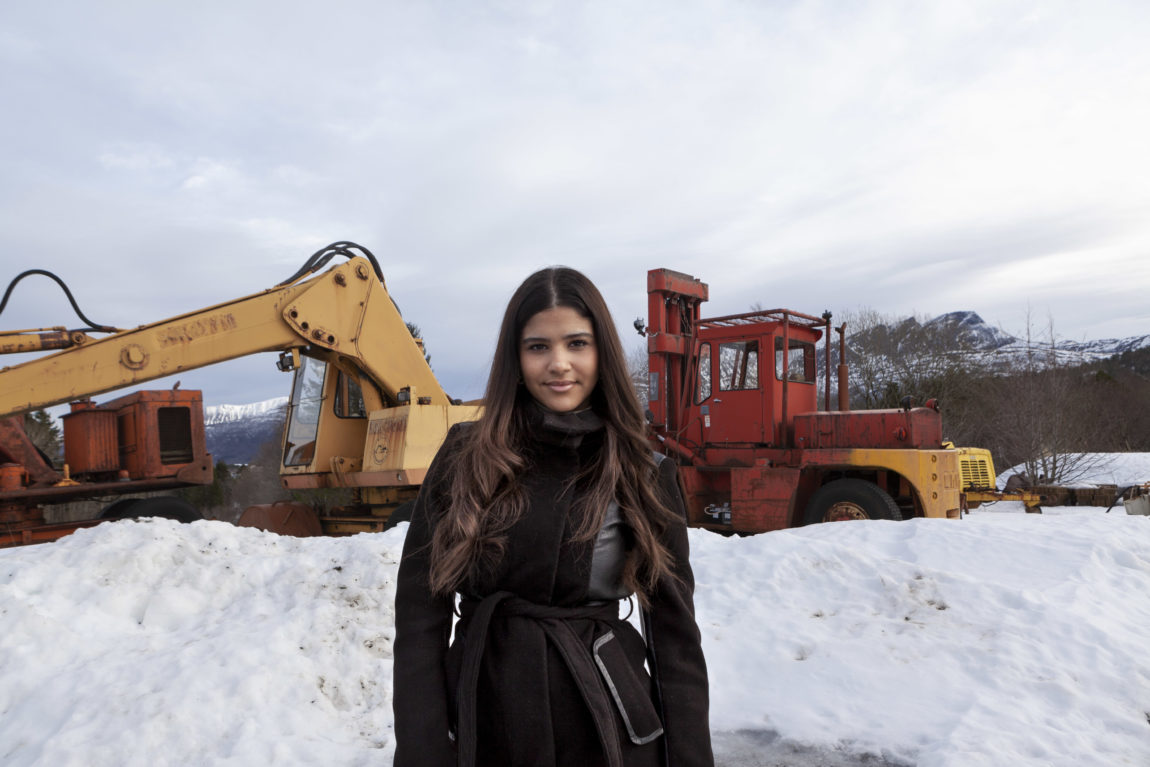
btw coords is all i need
(734, 401)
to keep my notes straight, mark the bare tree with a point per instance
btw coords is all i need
(1029, 406)
(1046, 412)
(637, 368)
(892, 359)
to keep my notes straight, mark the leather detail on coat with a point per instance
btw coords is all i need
(632, 694)
(608, 558)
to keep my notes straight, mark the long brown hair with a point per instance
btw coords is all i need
(485, 497)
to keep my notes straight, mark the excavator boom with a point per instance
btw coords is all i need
(345, 312)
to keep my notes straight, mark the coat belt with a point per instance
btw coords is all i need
(575, 655)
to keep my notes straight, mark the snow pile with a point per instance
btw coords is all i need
(1000, 639)
(154, 643)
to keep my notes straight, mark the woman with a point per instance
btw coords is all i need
(542, 515)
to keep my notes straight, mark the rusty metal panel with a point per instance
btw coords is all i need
(169, 432)
(386, 439)
(154, 434)
(11, 536)
(670, 281)
(15, 446)
(919, 428)
(12, 476)
(91, 445)
(761, 498)
(709, 489)
(283, 517)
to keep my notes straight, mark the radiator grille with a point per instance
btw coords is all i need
(975, 472)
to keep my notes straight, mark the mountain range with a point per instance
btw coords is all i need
(965, 332)
(235, 433)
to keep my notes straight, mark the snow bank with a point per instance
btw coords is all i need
(154, 643)
(997, 639)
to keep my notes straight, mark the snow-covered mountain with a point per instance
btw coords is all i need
(1105, 347)
(969, 328)
(235, 433)
(966, 333)
(216, 414)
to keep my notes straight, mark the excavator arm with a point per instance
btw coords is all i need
(343, 316)
(366, 410)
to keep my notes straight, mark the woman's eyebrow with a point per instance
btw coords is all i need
(577, 334)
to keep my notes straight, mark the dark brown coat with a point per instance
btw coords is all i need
(530, 711)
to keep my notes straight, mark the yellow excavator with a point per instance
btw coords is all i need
(366, 411)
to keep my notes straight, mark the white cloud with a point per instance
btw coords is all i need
(135, 157)
(208, 174)
(897, 154)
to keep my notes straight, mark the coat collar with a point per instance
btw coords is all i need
(562, 429)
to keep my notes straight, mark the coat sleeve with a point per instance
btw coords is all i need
(676, 642)
(422, 631)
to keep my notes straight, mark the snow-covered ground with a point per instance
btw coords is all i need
(999, 639)
(1119, 469)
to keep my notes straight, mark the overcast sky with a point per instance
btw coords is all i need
(911, 157)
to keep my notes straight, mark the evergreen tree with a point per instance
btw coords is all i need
(44, 433)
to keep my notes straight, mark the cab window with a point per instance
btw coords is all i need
(703, 387)
(304, 411)
(800, 359)
(349, 398)
(739, 365)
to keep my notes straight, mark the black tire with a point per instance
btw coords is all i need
(846, 499)
(402, 513)
(166, 506)
(121, 509)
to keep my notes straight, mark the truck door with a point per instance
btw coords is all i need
(737, 401)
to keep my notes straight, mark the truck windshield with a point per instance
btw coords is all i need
(303, 413)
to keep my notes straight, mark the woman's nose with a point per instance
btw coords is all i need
(560, 361)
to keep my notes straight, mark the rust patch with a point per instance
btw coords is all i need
(190, 331)
(386, 437)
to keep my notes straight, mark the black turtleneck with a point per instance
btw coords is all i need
(562, 429)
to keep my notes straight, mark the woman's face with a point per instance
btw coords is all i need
(558, 359)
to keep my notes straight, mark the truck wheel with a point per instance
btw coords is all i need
(846, 499)
(166, 506)
(121, 509)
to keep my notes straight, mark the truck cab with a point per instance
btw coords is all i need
(742, 396)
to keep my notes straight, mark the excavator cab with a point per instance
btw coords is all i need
(326, 418)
